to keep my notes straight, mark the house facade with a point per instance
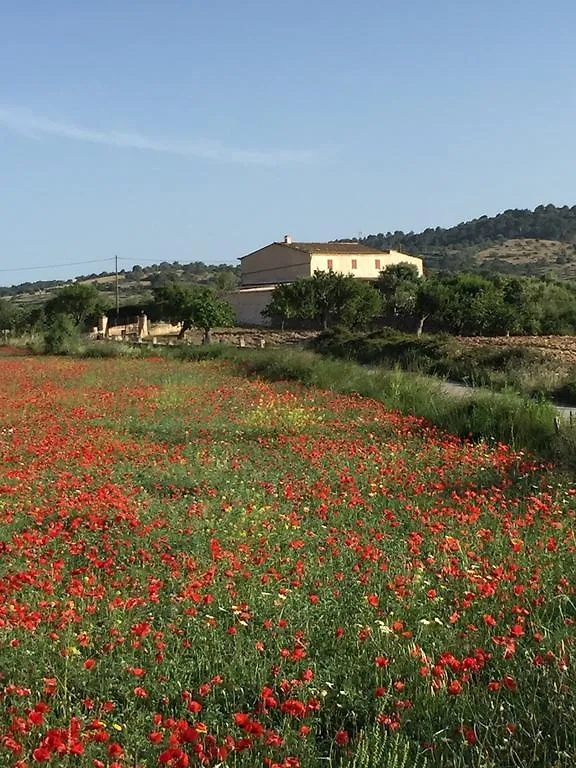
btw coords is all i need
(283, 262)
(286, 261)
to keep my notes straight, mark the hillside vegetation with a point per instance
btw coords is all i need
(518, 241)
(135, 285)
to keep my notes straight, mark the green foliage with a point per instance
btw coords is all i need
(31, 320)
(82, 302)
(359, 303)
(9, 316)
(523, 369)
(378, 748)
(61, 335)
(546, 222)
(292, 301)
(399, 285)
(100, 350)
(464, 304)
(193, 306)
(472, 305)
(431, 297)
(325, 299)
(468, 305)
(225, 281)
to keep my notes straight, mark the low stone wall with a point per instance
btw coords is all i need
(140, 329)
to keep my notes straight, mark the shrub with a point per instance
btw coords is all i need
(61, 336)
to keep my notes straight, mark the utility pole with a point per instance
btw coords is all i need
(117, 293)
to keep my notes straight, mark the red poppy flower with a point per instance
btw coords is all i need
(342, 738)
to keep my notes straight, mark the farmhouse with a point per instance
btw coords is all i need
(283, 262)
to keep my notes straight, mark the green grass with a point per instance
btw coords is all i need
(527, 371)
(496, 417)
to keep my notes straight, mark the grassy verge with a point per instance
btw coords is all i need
(527, 371)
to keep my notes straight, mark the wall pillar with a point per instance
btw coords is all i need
(142, 325)
(102, 330)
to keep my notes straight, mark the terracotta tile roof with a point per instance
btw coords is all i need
(334, 248)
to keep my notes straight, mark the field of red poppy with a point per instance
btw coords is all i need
(198, 568)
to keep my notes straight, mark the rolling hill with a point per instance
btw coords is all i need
(134, 285)
(517, 241)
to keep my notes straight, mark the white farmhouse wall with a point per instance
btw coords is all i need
(395, 257)
(368, 266)
(275, 263)
(248, 303)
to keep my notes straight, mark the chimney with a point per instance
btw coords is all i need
(288, 239)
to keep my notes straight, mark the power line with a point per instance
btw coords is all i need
(53, 266)
(115, 259)
(136, 260)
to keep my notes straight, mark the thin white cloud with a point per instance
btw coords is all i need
(28, 124)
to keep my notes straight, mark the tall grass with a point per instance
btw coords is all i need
(501, 417)
(528, 371)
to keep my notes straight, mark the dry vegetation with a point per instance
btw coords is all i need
(561, 349)
(534, 257)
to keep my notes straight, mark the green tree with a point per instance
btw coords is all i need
(343, 299)
(291, 301)
(471, 303)
(325, 299)
(399, 285)
(31, 320)
(361, 303)
(61, 334)
(9, 315)
(430, 299)
(81, 301)
(137, 272)
(194, 307)
(225, 281)
(522, 310)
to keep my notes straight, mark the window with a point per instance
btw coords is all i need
(377, 263)
(330, 264)
(354, 263)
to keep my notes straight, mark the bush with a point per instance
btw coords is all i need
(62, 336)
(99, 349)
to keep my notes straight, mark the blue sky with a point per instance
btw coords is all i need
(186, 130)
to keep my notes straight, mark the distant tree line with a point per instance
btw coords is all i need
(154, 274)
(547, 222)
(462, 304)
(30, 287)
